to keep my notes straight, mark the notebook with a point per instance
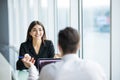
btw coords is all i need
(44, 61)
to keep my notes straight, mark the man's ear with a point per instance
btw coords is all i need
(60, 49)
(78, 46)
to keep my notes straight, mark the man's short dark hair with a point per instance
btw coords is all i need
(68, 39)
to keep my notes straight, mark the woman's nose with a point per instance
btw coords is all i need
(38, 31)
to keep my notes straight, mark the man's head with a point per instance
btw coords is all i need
(68, 40)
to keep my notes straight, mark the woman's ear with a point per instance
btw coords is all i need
(30, 33)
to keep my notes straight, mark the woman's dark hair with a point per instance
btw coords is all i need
(29, 37)
(68, 39)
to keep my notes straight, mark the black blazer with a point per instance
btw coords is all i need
(46, 51)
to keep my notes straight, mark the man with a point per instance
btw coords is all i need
(71, 67)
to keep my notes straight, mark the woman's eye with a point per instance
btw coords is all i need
(40, 29)
(34, 30)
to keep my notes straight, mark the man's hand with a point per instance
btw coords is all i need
(28, 61)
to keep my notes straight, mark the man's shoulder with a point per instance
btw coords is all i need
(52, 66)
(91, 62)
(92, 65)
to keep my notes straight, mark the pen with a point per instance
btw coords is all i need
(20, 57)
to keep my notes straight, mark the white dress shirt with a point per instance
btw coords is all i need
(70, 68)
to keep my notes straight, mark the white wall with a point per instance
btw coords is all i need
(115, 40)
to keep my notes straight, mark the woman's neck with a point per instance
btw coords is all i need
(37, 43)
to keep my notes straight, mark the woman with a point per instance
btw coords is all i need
(35, 45)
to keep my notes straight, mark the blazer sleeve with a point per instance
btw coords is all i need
(19, 64)
(51, 50)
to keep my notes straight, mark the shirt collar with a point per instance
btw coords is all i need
(70, 56)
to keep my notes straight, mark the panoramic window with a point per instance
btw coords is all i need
(96, 32)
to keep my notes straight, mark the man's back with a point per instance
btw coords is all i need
(72, 68)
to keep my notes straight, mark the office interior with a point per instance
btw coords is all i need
(96, 20)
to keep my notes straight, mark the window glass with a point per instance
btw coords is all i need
(96, 32)
(63, 8)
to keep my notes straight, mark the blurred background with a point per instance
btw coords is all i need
(96, 20)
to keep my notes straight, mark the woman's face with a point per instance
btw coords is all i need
(37, 32)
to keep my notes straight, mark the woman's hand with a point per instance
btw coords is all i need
(28, 61)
